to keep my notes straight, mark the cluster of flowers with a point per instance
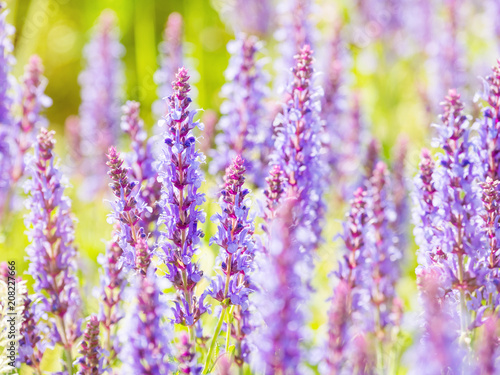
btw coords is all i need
(155, 300)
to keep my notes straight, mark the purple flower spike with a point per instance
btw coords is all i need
(382, 251)
(187, 357)
(274, 192)
(127, 209)
(181, 177)
(113, 282)
(243, 125)
(281, 293)
(338, 336)
(32, 101)
(51, 252)
(6, 121)
(90, 362)
(425, 212)
(235, 238)
(439, 347)
(171, 61)
(297, 150)
(100, 108)
(459, 246)
(141, 161)
(147, 346)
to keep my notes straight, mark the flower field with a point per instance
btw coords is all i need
(250, 187)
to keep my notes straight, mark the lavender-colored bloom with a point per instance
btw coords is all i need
(399, 190)
(127, 210)
(6, 100)
(51, 251)
(382, 251)
(295, 31)
(297, 150)
(425, 213)
(252, 16)
(90, 362)
(439, 348)
(100, 109)
(171, 60)
(113, 282)
(243, 124)
(234, 238)
(281, 293)
(147, 347)
(459, 250)
(32, 101)
(372, 157)
(186, 356)
(180, 175)
(141, 163)
(488, 348)
(274, 194)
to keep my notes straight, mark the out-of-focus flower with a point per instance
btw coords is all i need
(234, 238)
(171, 60)
(279, 298)
(51, 251)
(127, 211)
(181, 178)
(141, 162)
(7, 151)
(32, 100)
(439, 347)
(399, 190)
(274, 193)
(186, 356)
(113, 282)
(297, 150)
(488, 348)
(243, 125)
(100, 91)
(147, 346)
(294, 32)
(210, 120)
(90, 362)
(72, 134)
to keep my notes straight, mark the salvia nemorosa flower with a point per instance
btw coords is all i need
(281, 293)
(459, 249)
(382, 250)
(425, 211)
(33, 328)
(113, 282)
(6, 120)
(489, 130)
(51, 252)
(439, 346)
(90, 361)
(100, 91)
(274, 193)
(243, 125)
(127, 210)
(171, 60)
(147, 343)
(141, 162)
(295, 31)
(234, 237)
(186, 356)
(181, 178)
(399, 190)
(32, 101)
(297, 149)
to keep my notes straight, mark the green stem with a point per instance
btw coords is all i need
(228, 332)
(214, 340)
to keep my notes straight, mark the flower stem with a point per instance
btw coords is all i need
(214, 340)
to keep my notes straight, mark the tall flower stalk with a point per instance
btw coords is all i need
(181, 179)
(243, 127)
(171, 60)
(234, 238)
(51, 252)
(100, 91)
(141, 164)
(90, 362)
(297, 149)
(127, 212)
